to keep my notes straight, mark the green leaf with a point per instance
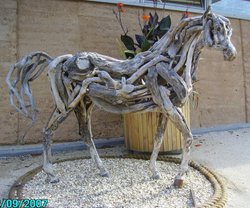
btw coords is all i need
(155, 20)
(121, 48)
(160, 33)
(145, 45)
(140, 39)
(165, 23)
(151, 19)
(129, 54)
(128, 42)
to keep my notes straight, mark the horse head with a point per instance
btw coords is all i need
(217, 34)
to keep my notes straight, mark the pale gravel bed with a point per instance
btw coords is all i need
(129, 185)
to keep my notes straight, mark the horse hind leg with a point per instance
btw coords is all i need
(158, 138)
(83, 114)
(47, 164)
(55, 119)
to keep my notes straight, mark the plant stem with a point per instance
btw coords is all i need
(139, 20)
(120, 19)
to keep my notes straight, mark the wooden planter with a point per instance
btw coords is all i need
(140, 128)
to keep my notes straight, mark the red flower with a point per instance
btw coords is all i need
(145, 17)
(185, 14)
(120, 7)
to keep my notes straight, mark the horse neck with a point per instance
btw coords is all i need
(180, 35)
(196, 55)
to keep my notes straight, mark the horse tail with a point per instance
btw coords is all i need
(29, 68)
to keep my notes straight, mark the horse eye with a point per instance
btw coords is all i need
(219, 29)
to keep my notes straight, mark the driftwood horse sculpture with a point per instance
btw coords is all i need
(158, 79)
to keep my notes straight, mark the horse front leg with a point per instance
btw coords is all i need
(161, 127)
(169, 110)
(179, 120)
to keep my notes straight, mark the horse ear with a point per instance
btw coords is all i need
(207, 12)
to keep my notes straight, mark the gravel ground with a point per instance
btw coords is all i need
(129, 185)
(226, 152)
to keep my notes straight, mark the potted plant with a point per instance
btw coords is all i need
(140, 128)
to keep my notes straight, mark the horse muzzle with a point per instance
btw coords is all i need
(230, 53)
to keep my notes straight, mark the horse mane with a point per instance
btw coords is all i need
(173, 35)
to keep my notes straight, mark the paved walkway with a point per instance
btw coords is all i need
(228, 153)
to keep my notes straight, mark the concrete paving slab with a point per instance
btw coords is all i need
(228, 153)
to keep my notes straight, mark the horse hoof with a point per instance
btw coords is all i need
(52, 180)
(178, 183)
(156, 176)
(104, 174)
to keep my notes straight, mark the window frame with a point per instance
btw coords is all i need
(176, 3)
(167, 6)
(171, 7)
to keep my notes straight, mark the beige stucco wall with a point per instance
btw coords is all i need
(8, 117)
(60, 27)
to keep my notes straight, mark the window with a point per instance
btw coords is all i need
(193, 5)
(186, 2)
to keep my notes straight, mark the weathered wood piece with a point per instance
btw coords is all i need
(160, 78)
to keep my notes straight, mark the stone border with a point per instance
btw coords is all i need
(218, 199)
